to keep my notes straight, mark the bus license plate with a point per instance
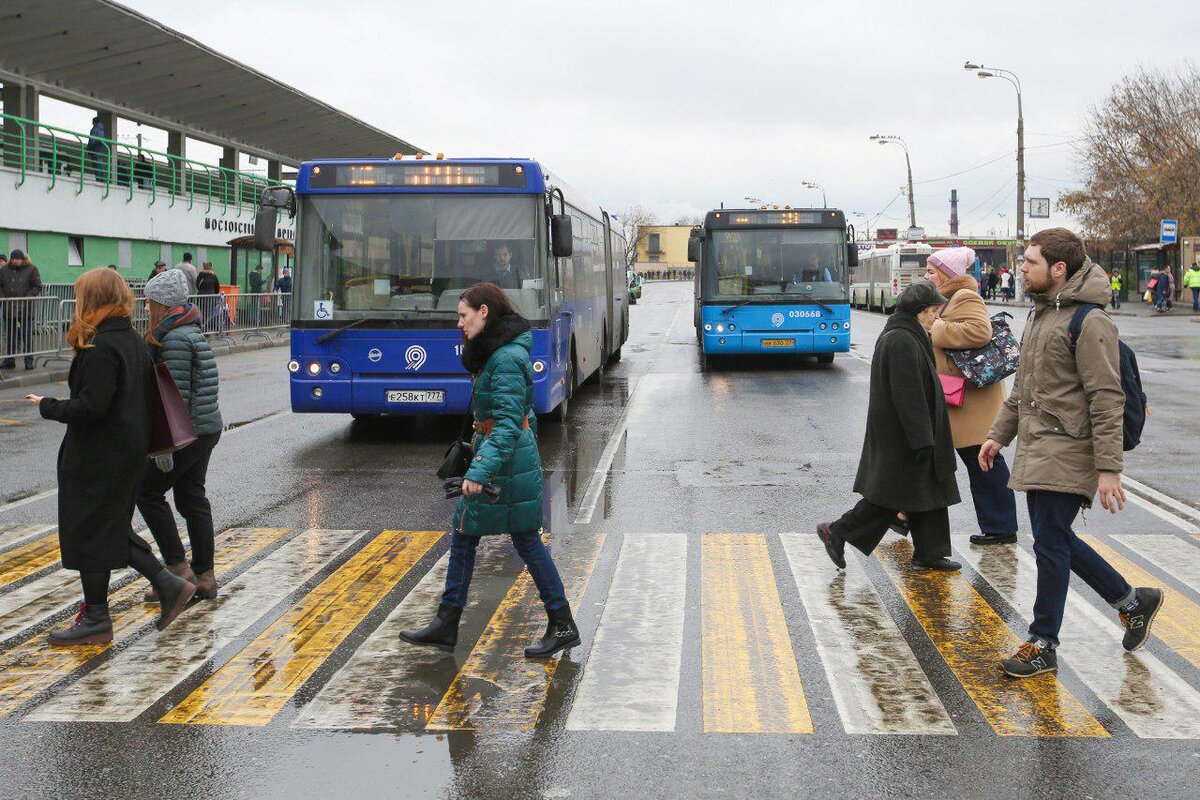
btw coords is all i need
(424, 397)
(778, 342)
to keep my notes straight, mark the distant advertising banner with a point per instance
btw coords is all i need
(887, 234)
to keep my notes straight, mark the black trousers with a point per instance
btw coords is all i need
(864, 526)
(187, 479)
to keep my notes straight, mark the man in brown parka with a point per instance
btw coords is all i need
(1066, 411)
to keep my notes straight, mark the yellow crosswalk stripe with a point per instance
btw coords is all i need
(972, 638)
(256, 683)
(33, 666)
(1178, 622)
(28, 559)
(497, 686)
(751, 683)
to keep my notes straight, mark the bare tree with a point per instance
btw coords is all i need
(634, 223)
(1142, 145)
(690, 219)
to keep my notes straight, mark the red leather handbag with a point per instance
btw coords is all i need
(172, 419)
(954, 388)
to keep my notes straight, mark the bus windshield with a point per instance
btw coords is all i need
(408, 257)
(747, 263)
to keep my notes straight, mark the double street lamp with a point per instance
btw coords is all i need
(815, 185)
(912, 206)
(992, 72)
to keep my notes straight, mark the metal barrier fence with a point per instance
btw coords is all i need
(34, 329)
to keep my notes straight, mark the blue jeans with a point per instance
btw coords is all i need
(1196, 298)
(1060, 552)
(533, 552)
(995, 503)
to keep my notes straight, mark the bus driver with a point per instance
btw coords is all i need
(504, 273)
(812, 272)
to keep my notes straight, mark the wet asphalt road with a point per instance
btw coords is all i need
(722, 656)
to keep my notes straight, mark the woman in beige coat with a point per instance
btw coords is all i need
(963, 324)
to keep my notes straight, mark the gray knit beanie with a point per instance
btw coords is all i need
(168, 288)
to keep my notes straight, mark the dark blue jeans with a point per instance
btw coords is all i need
(1195, 298)
(1060, 552)
(995, 503)
(533, 552)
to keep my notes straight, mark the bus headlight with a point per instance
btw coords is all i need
(293, 366)
(708, 326)
(720, 328)
(335, 368)
(314, 368)
(539, 367)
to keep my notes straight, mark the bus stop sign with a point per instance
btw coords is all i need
(1168, 233)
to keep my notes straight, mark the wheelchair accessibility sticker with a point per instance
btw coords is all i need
(323, 309)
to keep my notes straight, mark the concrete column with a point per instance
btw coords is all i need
(274, 170)
(21, 101)
(177, 146)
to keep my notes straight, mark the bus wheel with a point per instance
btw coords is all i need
(825, 358)
(615, 357)
(564, 408)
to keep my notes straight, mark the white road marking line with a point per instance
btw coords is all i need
(1172, 555)
(52, 492)
(125, 686)
(877, 682)
(17, 535)
(631, 682)
(1145, 693)
(596, 483)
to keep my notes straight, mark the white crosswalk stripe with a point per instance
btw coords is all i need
(1178, 558)
(632, 678)
(16, 535)
(1146, 694)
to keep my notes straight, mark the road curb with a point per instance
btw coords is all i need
(52, 375)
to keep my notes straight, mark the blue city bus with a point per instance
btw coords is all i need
(385, 247)
(773, 281)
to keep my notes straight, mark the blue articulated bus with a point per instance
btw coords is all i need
(385, 247)
(773, 281)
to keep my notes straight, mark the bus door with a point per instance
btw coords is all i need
(612, 314)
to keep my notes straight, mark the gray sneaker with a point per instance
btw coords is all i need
(1137, 621)
(1030, 660)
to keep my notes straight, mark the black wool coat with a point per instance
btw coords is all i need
(103, 453)
(908, 458)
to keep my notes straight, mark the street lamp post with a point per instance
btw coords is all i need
(992, 72)
(815, 185)
(912, 205)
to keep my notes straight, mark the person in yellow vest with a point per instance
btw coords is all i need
(1191, 280)
(1114, 283)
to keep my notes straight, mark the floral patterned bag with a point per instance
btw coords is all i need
(993, 362)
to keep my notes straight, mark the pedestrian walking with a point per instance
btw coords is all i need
(284, 287)
(19, 278)
(993, 282)
(207, 282)
(103, 455)
(189, 269)
(1163, 290)
(1191, 280)
(256, 280)
(1006, 286)
(964, 324)
(1066, 412)
(907, 457)
(496, 347)
(1114, 283)
(174, 338)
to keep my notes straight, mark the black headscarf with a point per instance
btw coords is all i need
(477, 351)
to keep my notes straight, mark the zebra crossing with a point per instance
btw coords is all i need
(305, 635)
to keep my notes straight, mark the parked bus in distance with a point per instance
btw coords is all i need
(882, 274)
(385, 247)
(773, 281)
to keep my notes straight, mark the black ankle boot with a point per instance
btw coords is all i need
(561, 634)
(92, 625)
(442, 633)
(174, 593)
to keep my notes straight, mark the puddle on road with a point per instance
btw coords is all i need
(810, 472)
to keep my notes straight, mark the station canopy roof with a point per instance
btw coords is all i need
(99, 51)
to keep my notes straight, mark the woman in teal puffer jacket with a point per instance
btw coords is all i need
(174, 336)
(505, 455)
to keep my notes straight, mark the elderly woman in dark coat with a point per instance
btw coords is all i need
(102, 457)
(496, 351)
(908, 458)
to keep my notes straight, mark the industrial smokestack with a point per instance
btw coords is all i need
(954, 212)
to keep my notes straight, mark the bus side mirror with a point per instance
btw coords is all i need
(693, 249)
(266, 218)
(562, 244)
(852, 254)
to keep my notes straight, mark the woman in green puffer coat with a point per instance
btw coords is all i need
(496, 345)
(174, 337)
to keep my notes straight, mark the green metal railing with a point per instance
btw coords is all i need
(31, 147)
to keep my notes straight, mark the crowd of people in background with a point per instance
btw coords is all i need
(19, 278)
(668, 274)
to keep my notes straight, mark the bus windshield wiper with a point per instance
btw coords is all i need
(326, 337)
(815, 301)
(751, 301)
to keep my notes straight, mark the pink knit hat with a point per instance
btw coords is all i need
(953, 261)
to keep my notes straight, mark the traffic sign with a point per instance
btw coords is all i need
(1168, 232)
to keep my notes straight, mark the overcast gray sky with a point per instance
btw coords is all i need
(680, 106)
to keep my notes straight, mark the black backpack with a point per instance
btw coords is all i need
(1131, 379)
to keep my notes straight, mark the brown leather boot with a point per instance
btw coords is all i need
(206, 585)
(183, 570)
